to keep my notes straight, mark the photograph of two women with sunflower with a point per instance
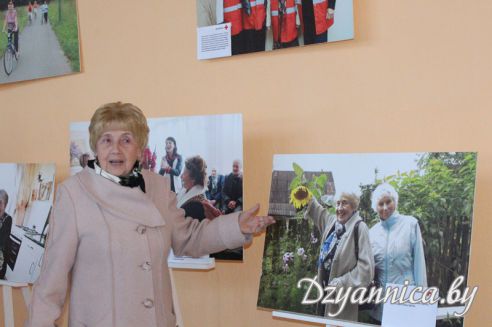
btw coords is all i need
(365, 220)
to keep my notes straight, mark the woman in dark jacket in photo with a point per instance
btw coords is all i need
(5, 227)
(192, 197)
(171, 164)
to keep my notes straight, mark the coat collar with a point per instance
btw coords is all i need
(349, 225)
(123, 202)
(184, 196)
(392, 220)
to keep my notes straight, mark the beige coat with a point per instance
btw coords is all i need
(115, 242)
(346, 270)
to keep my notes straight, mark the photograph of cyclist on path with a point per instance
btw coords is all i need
(11, 25)
(48, 34)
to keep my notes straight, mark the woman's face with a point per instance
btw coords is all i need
(386, 207)
(169, 146)
(2, 206)
(344, 210)
(186, 179)
(117, 152)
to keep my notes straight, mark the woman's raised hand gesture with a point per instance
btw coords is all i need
(251, 223)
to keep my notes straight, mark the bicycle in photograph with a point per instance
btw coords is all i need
(9, 55)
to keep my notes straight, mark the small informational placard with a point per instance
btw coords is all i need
(406, 314)
(214, 41)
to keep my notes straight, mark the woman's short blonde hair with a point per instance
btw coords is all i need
(118, 115)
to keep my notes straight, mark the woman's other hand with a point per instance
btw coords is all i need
(231, 204)
(211, 212)
(250, 223)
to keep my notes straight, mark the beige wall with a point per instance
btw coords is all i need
(417, 77)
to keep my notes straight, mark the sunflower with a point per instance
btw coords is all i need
(300, 197)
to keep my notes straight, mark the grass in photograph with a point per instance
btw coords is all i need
(63, 17)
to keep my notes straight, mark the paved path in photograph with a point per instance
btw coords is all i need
(40, 54)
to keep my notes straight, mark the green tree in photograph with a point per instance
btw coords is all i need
(365, 211)
(440, 195)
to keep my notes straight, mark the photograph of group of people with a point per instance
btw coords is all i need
(39, 39)
(367, 220)
(200, 155)
(265, 25)
(26, 198)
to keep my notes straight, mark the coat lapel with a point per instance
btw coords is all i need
(122, 202)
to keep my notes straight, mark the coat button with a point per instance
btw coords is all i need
(148, 303)
(141, 229)
(146, 266)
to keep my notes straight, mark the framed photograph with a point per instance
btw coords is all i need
(211, 147)
(26, 199)
(367, 220)
(232, 27)
(41, 39)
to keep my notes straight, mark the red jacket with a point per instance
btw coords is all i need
(233, 15)
(320, 9)
(288, 32)
(257, 16)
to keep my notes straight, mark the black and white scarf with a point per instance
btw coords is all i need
(133, 179)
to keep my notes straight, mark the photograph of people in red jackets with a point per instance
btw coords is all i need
(265, 25)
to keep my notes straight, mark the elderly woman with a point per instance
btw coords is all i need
(171, 164)
(396, 243)
(345, 256)
(5, 227)
(112, 228)
(191, 197)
